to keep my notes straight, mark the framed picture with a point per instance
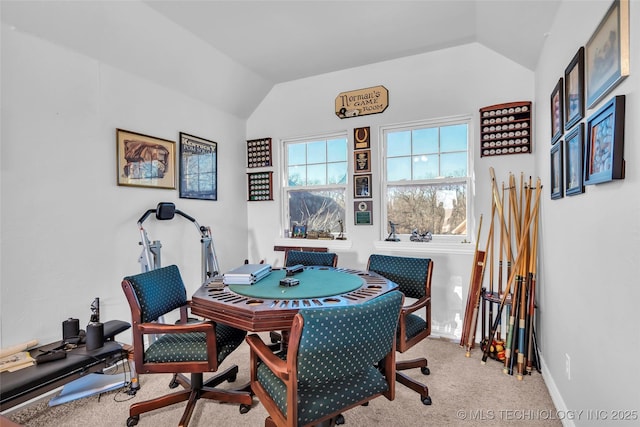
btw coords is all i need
(145, 161)
(607, 53)
(362, 186)
(198, 168)
(362, 161)
(363, 212)
(361, 138)
(605, 143)
(557, 176)
(299, 231)
(574, 90)
(573, 149)
(556, 112)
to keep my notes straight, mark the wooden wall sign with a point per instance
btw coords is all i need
(362, 102)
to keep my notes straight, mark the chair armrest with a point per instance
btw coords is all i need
(422, 302)
(264, 353)
(182, 328)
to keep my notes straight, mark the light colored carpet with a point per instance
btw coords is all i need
(464, 393)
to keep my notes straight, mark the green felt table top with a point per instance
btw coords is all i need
(315, 282)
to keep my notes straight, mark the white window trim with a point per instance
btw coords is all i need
(440, 244)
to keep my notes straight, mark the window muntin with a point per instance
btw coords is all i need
(316, 172)
(426, 183)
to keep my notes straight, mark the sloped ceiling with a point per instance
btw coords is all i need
(229, 54)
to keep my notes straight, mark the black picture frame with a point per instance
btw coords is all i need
(574, 90)
(603, 158)
(557, 112)
(557, 177)
(198, 168)
(573, 161)
(607, 53)
(362, 186)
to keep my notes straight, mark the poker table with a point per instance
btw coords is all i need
(268, 306)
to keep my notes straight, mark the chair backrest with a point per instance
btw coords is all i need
(338, 341)
(412, 275)
(328, 259)
(157, 292)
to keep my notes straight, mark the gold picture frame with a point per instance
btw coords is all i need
(145, 161)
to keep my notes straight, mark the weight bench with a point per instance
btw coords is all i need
(25, 384)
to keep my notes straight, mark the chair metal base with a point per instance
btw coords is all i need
(195, 389)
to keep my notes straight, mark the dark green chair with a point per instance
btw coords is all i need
(194, 347)
(337, 358)
(293, 257)
(413, 276)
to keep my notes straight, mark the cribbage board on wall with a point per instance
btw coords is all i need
(259, 153)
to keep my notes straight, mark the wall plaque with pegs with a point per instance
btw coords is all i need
(260, 186)
(259, 153)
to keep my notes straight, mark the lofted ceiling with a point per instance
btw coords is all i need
(288, 40)
(229, 54)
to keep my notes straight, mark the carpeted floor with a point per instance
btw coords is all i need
(464, 393)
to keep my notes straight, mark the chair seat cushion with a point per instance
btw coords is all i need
(323, 398)
(192, 346)
(414, 325)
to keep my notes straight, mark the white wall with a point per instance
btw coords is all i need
(445, 83)
(590, 244)
(69, 232)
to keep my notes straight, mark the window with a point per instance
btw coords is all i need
(316, 172)
(427, 178)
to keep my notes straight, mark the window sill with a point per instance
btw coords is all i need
(426, 247)
(331, 245)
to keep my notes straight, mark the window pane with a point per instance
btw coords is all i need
(337, 173)
(296, 154)
(440, 209)
(425, 167)
(317, 174)
(399, 169)
(321, 210)
(453, 138)
(297, 176)
(453, 164)
(399, 144)
(316, 152)
(425, 141)
(337, 150)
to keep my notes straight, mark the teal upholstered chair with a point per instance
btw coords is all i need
(337, 358)
(194, 347)
(293, 257)
(413, 276)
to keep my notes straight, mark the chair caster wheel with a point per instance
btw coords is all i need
(425, 370)
(132, 421)
(174, 383)
(340, 420)
(244, 408)
(426, 400)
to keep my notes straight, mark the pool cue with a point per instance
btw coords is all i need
(509, 283)
(522, 308)
(500, 268)
(468, 308)
(532, 290)
(478, 287)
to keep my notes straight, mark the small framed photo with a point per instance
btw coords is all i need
(556, 112)
(299, 231)
(605, 143)
(361, 138)
(362, 186)
(145, 161)
(363, 212)
(198, 168)
(574, 90)
(557, 176)
(607, 53)
(573, 149)
(362, 161)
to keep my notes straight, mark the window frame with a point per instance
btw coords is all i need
(468, 179)
(285, 188)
